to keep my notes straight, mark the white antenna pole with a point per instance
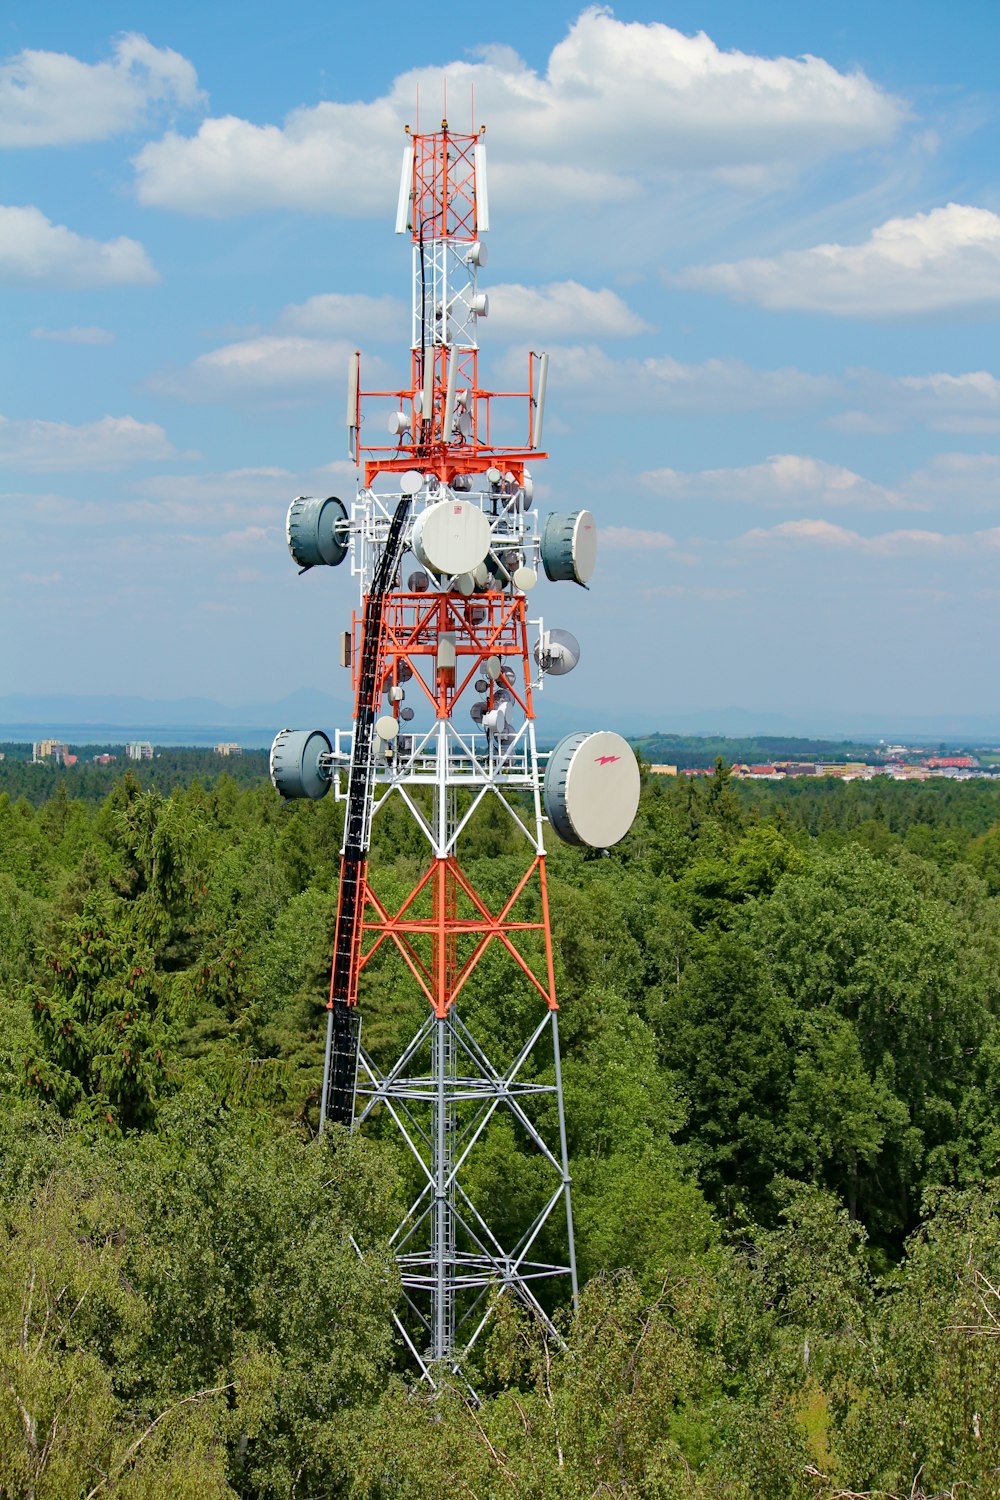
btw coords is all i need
(353, 376)
(449, 396)
(353, 381)
(482, 192)
(428, 402)
(536, 426)
(405, 188)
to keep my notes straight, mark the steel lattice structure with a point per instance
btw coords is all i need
(454, 634)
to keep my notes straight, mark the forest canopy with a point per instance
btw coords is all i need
(779, 1016)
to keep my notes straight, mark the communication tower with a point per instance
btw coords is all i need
(446, 664)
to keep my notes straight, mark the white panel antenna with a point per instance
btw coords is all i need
(482, 192)
(448, 415)
(405, 189)
(543, 379)
(353, 378)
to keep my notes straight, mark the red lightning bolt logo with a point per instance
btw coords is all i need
(607, 760)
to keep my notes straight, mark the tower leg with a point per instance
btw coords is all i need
(443, 1227)
(326, 1070)
(564, 1156)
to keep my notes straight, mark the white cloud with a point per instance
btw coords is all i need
(956, 480)
(169, 510)
(249, 495)
(93, 336)
(618, 103)
(35, 252)
(945, 403)
(563, 309)
(111, 443)
(629, 539)
(585, 373)
(52, 99)
(783, 480)
(273, 368)
(818, 533)
(349, 314)
(942, 261)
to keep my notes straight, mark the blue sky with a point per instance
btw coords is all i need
(761, 244)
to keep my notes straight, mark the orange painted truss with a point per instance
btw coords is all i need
(483, 626)
(443, 975)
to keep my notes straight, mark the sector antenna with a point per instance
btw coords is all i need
(447, 665)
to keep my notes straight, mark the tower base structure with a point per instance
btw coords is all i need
(442, 1094)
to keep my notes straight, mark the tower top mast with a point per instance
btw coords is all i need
(444, 422)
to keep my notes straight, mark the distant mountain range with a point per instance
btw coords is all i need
(99, 718)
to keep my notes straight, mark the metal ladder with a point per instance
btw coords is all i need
(344, 1024)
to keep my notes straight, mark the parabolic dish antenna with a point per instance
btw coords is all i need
(411, 482)
(294, 767)
(591, 789)
(451, 537)
(557, 652)
(316, 531)
(569, 547)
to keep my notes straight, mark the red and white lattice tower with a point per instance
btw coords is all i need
(446, 665)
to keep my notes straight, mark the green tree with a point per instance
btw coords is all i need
(100, 1026)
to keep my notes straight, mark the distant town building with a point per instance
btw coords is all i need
(104, 760)
(951, 763)
(664, 770)
(229, 747)
(53, 750)
(139, 750)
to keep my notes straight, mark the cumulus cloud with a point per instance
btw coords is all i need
(942, 261)
(586, 374)
(630, 539)
(36, 252)
(252, 495)
(818, 533)
(93, 336)
(276, 369)
(968, 402)
(957, 480)
(563, 309)
(111, 443)
(349, 314)
(786, 479)
(618, 103)
(273, 366)
(53, 99)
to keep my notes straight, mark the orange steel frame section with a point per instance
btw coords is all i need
(443, 979)
(444, 185)
(433, 453)
(484, 625)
